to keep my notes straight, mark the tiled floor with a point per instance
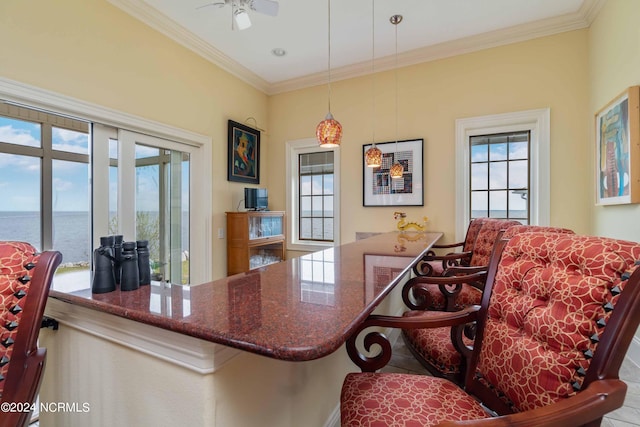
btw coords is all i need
(627, 416)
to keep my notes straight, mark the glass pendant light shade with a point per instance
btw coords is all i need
(396, 171)
(329, 132)
(373, 157)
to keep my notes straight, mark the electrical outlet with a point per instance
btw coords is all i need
(220, 233)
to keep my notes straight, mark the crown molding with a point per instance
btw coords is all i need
(159, 22)
(582, 18)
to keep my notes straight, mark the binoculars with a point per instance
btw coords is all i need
(120, 263)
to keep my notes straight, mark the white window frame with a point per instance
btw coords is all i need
(201, 179)
(294, 149)
(535, 121)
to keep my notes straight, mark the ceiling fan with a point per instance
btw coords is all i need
(239, 10)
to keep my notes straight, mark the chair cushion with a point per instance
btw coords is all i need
(472, 233)
(486, 239)
(552, 297)
(370, 399)
(16, 259)
(517, 229)
(435, 346)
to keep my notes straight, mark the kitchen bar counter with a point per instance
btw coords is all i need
(296, 310)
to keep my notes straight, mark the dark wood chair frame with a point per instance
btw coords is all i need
(451, 259)
(27, 359)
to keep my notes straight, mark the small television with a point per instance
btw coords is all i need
(256, 199)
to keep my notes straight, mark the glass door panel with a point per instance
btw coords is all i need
(162, 210)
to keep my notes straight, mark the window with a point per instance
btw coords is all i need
(313, 195)
(502, 168)
(499, 170)
(315, 181)
(44, 181)
(67, 181)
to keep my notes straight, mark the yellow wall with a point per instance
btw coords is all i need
(92, 51)
(614, 62)
(547, 72)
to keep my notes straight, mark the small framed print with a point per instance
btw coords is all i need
(243, 153)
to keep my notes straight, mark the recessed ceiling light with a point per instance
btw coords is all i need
(279, 51)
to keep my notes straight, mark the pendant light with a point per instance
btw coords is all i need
(373, 156)
(329, 131)
(397, 170)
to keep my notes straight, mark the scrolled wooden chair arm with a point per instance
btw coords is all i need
(467, 271)
(600, 397)
(416, 295)
(381, 358)
(422, 267)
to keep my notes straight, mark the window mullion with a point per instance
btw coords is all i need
(126, 184)
(46, 192)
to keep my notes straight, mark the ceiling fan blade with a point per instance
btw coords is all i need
(268, 7)
(218, 3)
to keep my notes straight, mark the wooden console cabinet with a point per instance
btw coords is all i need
(254, 239)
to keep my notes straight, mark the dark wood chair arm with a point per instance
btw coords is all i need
(379, 360)
(423, 268)
(448, 246)
(600, 397)
(416, 294)
(461, 270)
(468, 271)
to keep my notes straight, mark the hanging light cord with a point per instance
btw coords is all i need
(396, 72)
(329, 56)
(373, 78)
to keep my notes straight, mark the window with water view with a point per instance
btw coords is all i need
(46, 164)
(499, 172)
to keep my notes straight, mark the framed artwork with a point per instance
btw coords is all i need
(618, 150)
(243, 153)
(379, 189)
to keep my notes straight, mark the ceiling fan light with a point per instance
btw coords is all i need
(373, 157)
(242, 19)
(329, 132)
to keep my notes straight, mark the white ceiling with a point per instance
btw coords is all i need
(430, 29)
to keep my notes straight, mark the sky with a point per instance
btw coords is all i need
(20, 174)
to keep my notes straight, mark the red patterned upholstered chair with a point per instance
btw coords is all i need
(25, 278)
(557, 317)
(419, 293)
(433, 265)
(434, 347)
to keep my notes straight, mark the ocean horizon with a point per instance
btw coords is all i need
(71, 232)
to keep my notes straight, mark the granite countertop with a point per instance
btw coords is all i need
(300, 309)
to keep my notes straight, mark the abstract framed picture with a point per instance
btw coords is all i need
(243, 153)
(618, 150)
(379, 189)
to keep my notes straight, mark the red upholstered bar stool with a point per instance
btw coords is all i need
(558, 314)
(420, 293)
(434, 265)
(25, 278)
(436, 348)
